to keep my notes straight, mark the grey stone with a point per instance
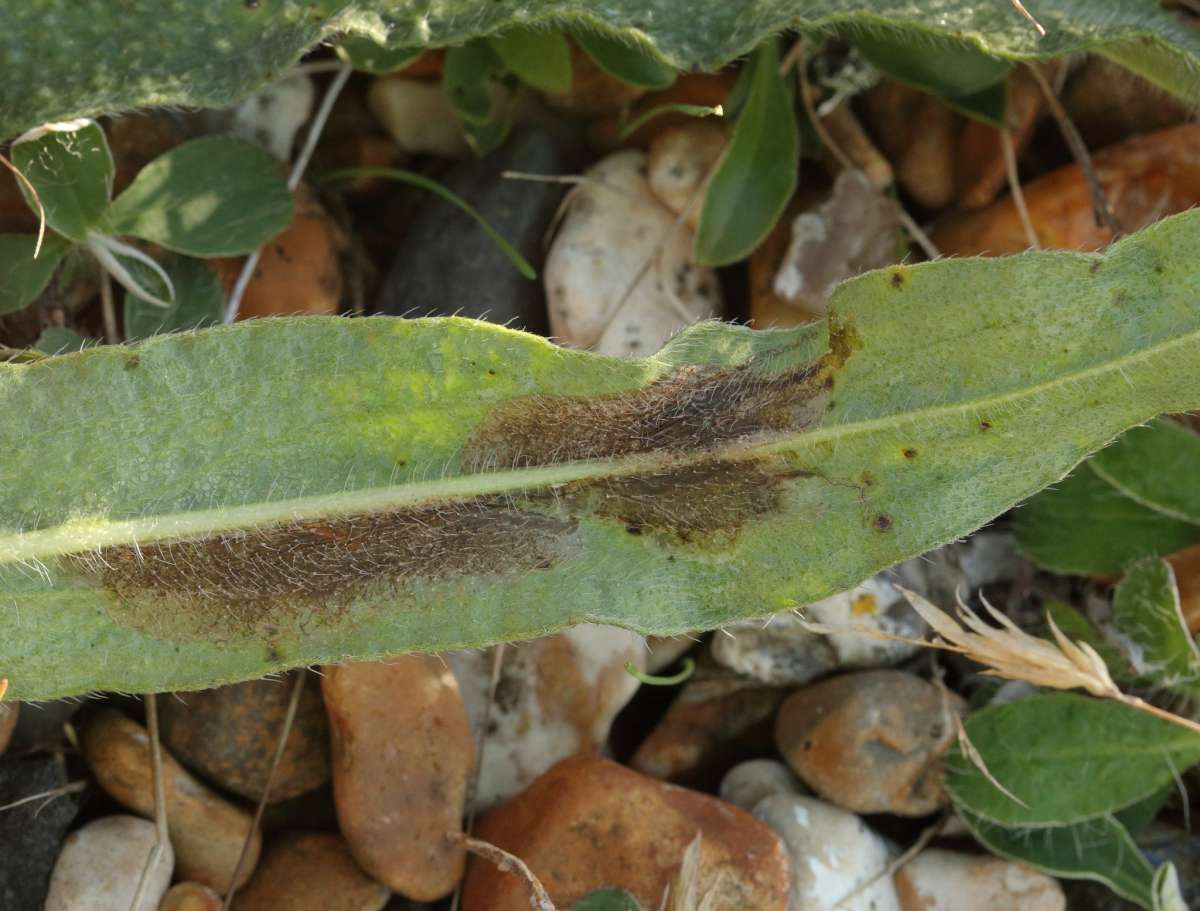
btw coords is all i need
(446, 264)
(32, 834)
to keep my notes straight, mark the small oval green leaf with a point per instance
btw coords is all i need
(1156, 466)
(540, 58)
(1099, 849)
(757, 174)
(466, 79)
(71, 167)
(969, 80)
(199, 301)
(1069, 758)
(628, 60)
(1085, 525)
(1146, 608)
(367, 56)
(22, 278)
(214, 196)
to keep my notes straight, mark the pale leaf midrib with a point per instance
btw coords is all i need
(84, 534)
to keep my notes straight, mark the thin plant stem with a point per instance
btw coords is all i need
(1014, 186)
(539, 898)
(1020, 7)
(160, 803)
(69, 788)
(107, 309)
(297, 173)
(289, 719)
(906, 221)
(1079, 150)
(37, 202)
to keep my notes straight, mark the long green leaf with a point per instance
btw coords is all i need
(757, 173)
(1099, 849)
(626, 60)
(208, 507)
(1067, 759)
(69, 58)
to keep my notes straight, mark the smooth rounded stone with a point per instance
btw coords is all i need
(589, 823)
(446, 265)
(619, 277)
(717, 720)
(229, 735)
(273, 115)
(871, 741)
(919, 134)
(1145, 178)
(9, 712)
(679, 161)
(556, 696)
(311, 872)
(101, 865)
(418, 115)
(937, 880)
(778, 651)
(878, 606)
(190, 897)
(750, 782)
(1186, 565)
(299, 272)
(402, 760)
(207, 831)
(832, 853)
(855, 229)
(37, 826)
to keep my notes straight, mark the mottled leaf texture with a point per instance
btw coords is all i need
(70, 58)
(1146, 609)
(208, 507)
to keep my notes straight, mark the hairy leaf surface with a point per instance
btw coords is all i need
(209, 507)
(1067, 758)
(196, 52)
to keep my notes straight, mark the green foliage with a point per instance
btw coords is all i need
(966, 79)
(690, 110)
(467, 79)
(1146, 609)
(1067, 758)
(627, 60)
(22, 276)
(1100, 849)
(909, 418)
(757, 174)
(211, 197)
(198, 302)
(538, 57)
(369, 56)
(607, 900)
(71, 167)
(60, 340)
(214, 196)
(1129, 502)
(212, 55)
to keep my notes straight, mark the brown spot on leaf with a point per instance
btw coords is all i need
(910, 453)
(882, 522)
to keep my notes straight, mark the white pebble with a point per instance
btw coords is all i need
(101, 864)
